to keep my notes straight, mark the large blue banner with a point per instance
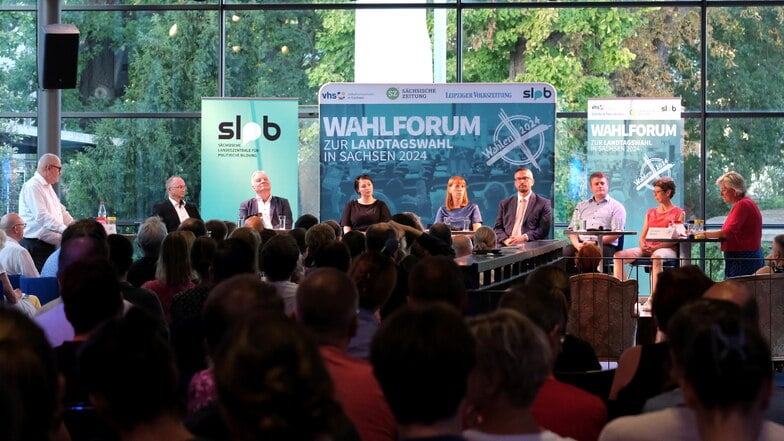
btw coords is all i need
(412, 138)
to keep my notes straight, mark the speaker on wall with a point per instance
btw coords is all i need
(61, 55)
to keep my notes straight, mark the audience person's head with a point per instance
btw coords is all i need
(306, 221)
(484, 238)
(84, 239)
(272, 383)
(29, 378)
(738, 294)
(279, 257)
(374, 275)
(195, 226)
(438, 278)
(545, 307)
(462, 246)
(588, 258)
(174, 262)
(355, 241)
(298, 234)
(720, 360)
(442, 231)
(422, 355)
(202, 254)
(234, 298)
(410, 221)
(233, 256)
(120, 254)
(253, 239)
(675, 288)
(327, 303)
(128, 369)
(336, 227)
(254, 222)
(551, 276)
(513, 360)
(91, 294)
(150, 236)
(382, 238)
(217, 229)
(333, 255)
(316, 237)
(230, 227)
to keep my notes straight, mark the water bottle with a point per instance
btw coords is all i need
(576, 220)
(101, 213)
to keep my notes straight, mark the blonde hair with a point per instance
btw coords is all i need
(451, 204)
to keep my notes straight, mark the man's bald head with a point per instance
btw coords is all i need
(327, 303)
(737, 293)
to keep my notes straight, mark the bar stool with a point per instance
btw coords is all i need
(647, 264)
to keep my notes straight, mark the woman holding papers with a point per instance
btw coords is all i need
(664, 215)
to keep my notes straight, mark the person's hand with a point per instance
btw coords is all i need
(14, 296)
(401, 229)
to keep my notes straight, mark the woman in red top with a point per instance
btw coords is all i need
(742, 231)
(663, 215)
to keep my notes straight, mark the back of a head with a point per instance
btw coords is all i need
(317, 236)
(719, 354)
(174, 262)
(484, 238)
(551, 276)
(306, 221)
(150, 236)
(85, 239)
(120, 253)
(327, 302)
(442, 231)
(233, 256)
(738, 294)
(335, 227)
(374, 275)
(513, 352)
(675, 288)
(588, 258)
(29, 377)
(333, 255)
(279, 257)
(194, 225)
(254, 222)
(545, 307)
(462, 246)
(298, 234)
(202, 254)
(217, 229)
(91, 294)
(438, 278)
(422, 355)
(128, 362)
(252, 238)
(379, 237)
(235, 298)
(355, 241)
(272, 383)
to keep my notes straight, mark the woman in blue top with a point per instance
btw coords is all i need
(457, 205)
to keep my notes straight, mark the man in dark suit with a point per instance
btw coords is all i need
(269, 208)
(525, 216)
(175, 210)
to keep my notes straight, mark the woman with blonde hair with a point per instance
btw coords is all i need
(173, 273)
(457, 205)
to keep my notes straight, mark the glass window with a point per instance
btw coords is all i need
(18, 78)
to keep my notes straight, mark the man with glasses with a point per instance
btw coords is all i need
(41, 210)
(13, 257)
(175, 210)
(525, 216)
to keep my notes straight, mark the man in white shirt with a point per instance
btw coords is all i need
(13, 257)
(271, 209)
(41, 210)
(175, 210)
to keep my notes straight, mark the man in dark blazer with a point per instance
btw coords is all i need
(175, 210)
(269, 208)
(536, 214)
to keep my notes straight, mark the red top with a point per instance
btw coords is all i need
(662, 220)
(743, 227)
(569, 411)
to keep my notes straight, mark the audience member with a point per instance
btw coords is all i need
(644, 370)
(335, 226)
(462, 246)
(230, 227)
(374, 276)
(327, 303)
(512, 362)
(422, 356)
(316, 237)
(442, 231)
(120, 256)
(128, 369)
(217, 229)
(355, 241)
(722, 364)
(306, 221)
(438, 278)
(149, 238)
(559, 407)
(774, 260)
(30, 382)
(588, 258)
(174, 272)
(14, 258)
(195, 226)
(333, 255)
(80, 228)
(484, 239)
(253, 239)
(280, 256)
(254, 222)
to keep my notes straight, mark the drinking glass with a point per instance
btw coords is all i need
(282, 222)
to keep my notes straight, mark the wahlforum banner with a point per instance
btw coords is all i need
(636, 141)
(411, 138)
(238, 137)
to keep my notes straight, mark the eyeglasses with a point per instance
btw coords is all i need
(658, 191)
(524, 178)
(17, 225)
(59, 168)
(179, 187)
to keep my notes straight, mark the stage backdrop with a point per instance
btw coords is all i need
(238, 137)
(411, 138)
(635, 141)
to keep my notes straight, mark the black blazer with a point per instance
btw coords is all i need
(278, 207)
(537, 221)
(165, 210)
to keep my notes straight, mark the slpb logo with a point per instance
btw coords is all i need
(250, 131)
(544, 92)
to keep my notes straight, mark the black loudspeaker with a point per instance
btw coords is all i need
(61, 55)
